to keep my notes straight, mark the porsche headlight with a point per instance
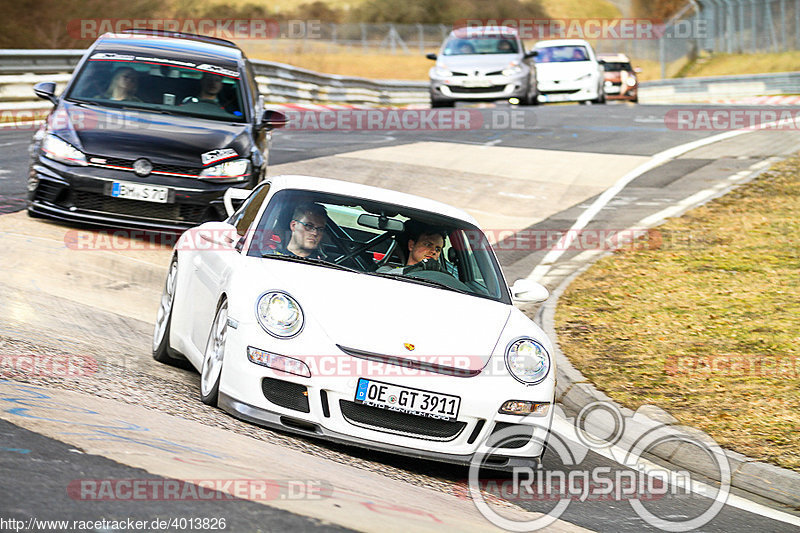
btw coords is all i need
(279, 314)
(236, 170)
(441, 72)
(527, 361)
(62, 151)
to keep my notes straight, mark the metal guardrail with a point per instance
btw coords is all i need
(699, 90)
(21, 69)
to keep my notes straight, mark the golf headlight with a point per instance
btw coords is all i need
(236, 170)
(441, 72)
(512, 69)
(279, 314)
(528, 361)
(62, 151)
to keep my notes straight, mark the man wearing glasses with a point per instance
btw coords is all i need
(308, 226)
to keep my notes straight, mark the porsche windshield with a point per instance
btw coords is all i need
(379, 239)
(205, 91)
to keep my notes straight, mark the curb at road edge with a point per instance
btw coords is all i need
(574, 391)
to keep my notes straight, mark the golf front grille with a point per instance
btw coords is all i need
(122, 206)
(402, 423)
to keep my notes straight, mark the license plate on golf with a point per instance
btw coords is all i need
(407, 400)
(137, 191)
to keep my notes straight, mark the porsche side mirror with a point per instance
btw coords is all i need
(529, 291)
(231, 195)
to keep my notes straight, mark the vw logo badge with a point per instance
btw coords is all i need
(142, 167)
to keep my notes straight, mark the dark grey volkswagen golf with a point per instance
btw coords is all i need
(149, 133)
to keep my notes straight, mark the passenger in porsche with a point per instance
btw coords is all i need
(425, 244)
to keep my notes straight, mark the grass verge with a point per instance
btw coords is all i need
(704, 321)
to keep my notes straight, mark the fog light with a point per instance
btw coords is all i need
(520, 407)
(513, 101)
(278, 362)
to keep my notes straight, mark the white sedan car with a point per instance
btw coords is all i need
(568, 71)
(306, 311)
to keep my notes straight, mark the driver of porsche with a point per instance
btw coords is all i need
(308, 228)
(425, 245)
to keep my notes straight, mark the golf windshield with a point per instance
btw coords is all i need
(161, 85)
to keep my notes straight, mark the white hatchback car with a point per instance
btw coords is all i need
(350, 343)
(568, 70)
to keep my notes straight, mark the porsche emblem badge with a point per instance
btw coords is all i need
(409, 346)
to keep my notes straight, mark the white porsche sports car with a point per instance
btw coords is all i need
(363, 316)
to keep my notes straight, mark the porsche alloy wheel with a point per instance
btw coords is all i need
(213, 356)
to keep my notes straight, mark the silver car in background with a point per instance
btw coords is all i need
(483, 64)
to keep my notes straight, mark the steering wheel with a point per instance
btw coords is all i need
(425, 264)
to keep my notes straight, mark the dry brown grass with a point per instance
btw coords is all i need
(332, 59)
(705, 325)
(725, 64)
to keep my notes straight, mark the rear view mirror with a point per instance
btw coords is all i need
(431, 56)
(381, 223)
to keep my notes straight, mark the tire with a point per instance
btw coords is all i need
(601, 96)
(162, 351)
(211, 372)
(532, 99)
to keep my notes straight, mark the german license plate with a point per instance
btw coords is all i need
(407, 400)
(612, 90)
(137, 191)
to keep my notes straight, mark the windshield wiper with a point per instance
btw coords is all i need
(320, 262)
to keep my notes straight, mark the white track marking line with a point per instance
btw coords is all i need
(586, 217)
(563, 427)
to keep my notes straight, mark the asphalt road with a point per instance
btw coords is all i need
(45, 465)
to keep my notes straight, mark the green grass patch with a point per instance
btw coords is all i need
(704, 319)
